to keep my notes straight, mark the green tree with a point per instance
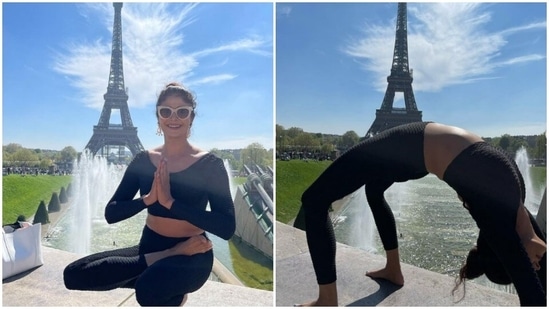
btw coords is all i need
(282, 139)
(6, 157)
(45, 163)
(255, 153)
(306, 141)
(349, 139)
(280, 132)
(269, 158)
(12, 148)
(68, 154)
(327, 148)
(54, 205)
(41, 215)
(540, 150)
(24, 156)
(505, 142)
(293, 132)
(516, 144)
(63, 196)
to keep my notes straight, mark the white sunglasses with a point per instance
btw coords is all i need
(182, 112)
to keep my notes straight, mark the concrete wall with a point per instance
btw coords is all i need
(247, 226)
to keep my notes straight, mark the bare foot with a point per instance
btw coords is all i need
(395, 277)
(327, 296)
(184, 300)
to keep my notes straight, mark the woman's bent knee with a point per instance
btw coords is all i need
(71, 279)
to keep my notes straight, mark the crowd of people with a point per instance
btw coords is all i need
(33, 171)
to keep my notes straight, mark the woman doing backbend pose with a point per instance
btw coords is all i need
(176, 181)
(510, 247)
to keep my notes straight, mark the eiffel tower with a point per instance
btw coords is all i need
(400, 80)
(106, 134)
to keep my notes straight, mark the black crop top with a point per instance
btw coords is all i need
(204, 181)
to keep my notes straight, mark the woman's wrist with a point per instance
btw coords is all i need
(147, 200)
(169, 203)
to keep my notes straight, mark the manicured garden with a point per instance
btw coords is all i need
(21, 195)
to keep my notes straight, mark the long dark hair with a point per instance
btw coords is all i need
(481, 260)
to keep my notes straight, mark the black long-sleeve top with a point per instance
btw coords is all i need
(204, 181)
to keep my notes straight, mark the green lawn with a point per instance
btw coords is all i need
(253, 270)
(21, 195)
(292, 178)
(538, 175)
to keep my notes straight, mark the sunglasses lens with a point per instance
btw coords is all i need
(165, 112)
(183, 113)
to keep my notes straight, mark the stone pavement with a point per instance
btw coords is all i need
(296, 282)
(43, 286)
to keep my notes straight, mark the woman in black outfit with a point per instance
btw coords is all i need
(510, 248)
(176, 181)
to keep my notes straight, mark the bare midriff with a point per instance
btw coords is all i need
(442, 144)
(172, 227)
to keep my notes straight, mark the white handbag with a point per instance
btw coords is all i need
(21, 250)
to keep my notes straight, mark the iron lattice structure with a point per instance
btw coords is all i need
(116, 98)
(400, 80)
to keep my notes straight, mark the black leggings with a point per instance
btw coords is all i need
(164, 283)
(395, 155)
(492, 186)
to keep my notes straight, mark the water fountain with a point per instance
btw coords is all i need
(533, 194)
(229, 174)
(358, 216)
(355, 220)
(94, 182)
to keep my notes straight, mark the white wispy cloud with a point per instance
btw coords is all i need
(153, 38)
(448, 44)
(252, 45)
(532, 26)
(214, 79)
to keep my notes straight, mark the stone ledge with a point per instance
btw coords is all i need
(43, 286)
(296, 281)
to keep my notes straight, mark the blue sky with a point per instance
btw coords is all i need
(56, 59)
(478, 66)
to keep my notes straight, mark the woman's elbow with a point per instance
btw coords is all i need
(109, 216)
(228, 231)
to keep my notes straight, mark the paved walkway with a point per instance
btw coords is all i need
(296, 283)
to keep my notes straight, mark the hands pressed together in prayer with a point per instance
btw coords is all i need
(160, 190)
